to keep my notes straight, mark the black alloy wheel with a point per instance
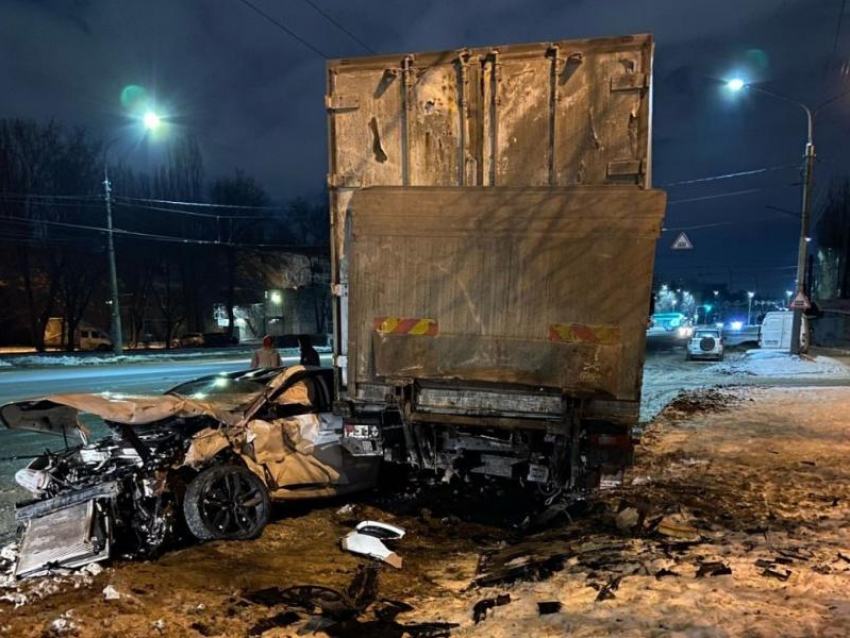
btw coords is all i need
(227, 502)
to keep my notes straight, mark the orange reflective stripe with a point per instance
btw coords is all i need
(587, 333)
(406, 326)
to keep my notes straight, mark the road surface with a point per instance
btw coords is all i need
(138, 378)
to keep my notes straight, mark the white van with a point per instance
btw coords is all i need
(776, 329)
(86, 337)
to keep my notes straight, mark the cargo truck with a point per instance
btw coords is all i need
(493, 239)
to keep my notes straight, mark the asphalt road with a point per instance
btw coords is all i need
(137, 378)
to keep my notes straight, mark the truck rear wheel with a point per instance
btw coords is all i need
(226, 502)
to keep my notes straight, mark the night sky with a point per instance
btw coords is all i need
(253, 95)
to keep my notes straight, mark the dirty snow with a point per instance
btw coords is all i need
(773, 363)
(737, 523)
(160, 356)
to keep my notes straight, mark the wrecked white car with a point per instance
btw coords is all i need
(208, 456)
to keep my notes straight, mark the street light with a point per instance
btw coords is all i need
(750, 296)
(737, 84)
(151, 121)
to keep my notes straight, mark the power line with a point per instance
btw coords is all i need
(713, 178)
(177, 211)
(837, 32)
(748, 191)
(39, 196)
(334, 22)
(198, 204)
(171, 238)
(284, 28)
(715, 224)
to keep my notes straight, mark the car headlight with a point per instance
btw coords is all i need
(736, 325)
(685, 332)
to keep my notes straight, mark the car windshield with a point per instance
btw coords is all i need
(231, 392)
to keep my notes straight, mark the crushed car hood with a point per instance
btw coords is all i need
(57, 414)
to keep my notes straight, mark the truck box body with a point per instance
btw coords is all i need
(493, 235)
(464, 284)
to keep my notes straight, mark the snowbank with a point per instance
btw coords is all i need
(773, 363)
(42, 360)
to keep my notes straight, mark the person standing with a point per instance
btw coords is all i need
(309, 356)
(267, 356)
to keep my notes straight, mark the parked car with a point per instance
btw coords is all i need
(672, 326)
(219, 339)
(212, 453)
(188, 340)
(86, 336)
(706, 343)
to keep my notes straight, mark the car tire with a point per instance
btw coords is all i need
(226, 502)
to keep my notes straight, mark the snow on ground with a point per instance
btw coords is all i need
(33, 361)
(760, 494)
(774, 363)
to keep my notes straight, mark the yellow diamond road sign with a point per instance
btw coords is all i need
(682, 243)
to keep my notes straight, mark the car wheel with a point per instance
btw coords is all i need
(226, 502)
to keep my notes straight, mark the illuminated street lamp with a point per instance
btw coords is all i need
(737, 84)
(151, 122)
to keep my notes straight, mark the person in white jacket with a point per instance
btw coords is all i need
(267, 356)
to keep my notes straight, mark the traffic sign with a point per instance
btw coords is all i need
(800, 302)
(682, 243)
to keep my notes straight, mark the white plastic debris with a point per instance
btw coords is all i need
(380, 530)
(110, 593)
(368, 540)
(9, 552)
(345, 509)
(366, 545)
(93, 569)
(159, 625)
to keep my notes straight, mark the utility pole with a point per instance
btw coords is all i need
(117, 341)
(803, 249)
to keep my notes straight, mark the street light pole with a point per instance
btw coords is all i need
(151, 121)
(117, 339)
(808, 174)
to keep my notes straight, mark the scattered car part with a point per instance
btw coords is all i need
(384, 531)
(370, 546)
(67, 538)
(549, 607)
(713, 568)
(479, 611)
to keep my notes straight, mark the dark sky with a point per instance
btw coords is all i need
(254, 96)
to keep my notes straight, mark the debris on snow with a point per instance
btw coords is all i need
(713, 568)
(479, 611)
(368, 540)
(110, 593)
(549, 607)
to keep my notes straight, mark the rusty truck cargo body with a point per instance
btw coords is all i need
(493, 234)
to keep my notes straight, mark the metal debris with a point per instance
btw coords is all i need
(714, 568)
(479, 611)
(549, 607)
